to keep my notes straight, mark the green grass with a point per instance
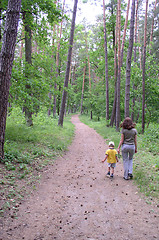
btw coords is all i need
(146, 161)
(27, 151)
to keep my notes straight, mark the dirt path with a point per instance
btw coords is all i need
(75, 201)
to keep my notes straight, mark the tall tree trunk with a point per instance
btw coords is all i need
(21, 46)
(28, 53)
(89, 69)
(119, 68)
(57, 59)
(106, 63)
(152, 26)
(84, 74)
(6, 62)
(135, 49)
(64, 95)
(50, 94)
(124, 34)
(0, 22)
(135, 35)
(114, 107)
(143, 71)
(139, 50)
(121, 61)
(113, 114)
(113, 25)
(128, 61)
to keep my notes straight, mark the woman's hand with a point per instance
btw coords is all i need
(118, 150)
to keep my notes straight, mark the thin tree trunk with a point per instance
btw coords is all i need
(135, 49)
(113, 25)
(143, 71)
(57, 60)
(64, 95)
(114, 108)
(84, 74)
(113, 115)
(135, 35)
(0, 22)
(124, 34)
(22, 43)
(115, 61)
(152, 26)
(6, 62)
(50, 94)
(89, 69)
(106, 63)
(128, 61)
(28, 52)
(119, 68)
(139, 50)
(73, 74)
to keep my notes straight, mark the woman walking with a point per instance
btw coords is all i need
(129, 146)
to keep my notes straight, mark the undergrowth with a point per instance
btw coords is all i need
(27, 151)
(146, 160)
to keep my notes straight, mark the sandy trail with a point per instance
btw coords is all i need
(75, 200)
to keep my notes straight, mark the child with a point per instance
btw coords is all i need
(111, 157)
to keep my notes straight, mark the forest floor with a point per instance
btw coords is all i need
(76, 201)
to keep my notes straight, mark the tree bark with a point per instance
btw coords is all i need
(143, 70)
(152, 26)
(135, 35)
(57, 60)
(50, 94)
(113, 114)
(89, 69)
(64, 95)
(6, 62)
(128, 61)
(21, 46)
(119, 68)
(106, 63)
(135, 48)
(0, 23)
(139, 51)
(124, 34)
(28, 53)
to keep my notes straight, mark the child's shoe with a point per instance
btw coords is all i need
(108, 174)
(111, 176)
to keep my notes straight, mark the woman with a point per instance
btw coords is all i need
(129, 146)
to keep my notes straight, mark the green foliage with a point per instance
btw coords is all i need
(150, 139)
(146, 168)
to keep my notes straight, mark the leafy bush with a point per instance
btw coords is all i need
(150, 138)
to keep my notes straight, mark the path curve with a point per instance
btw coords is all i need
(75, 201)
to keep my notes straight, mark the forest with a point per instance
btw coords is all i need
(52, 66)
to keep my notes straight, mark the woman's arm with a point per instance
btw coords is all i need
(135, 141)
(121, 142)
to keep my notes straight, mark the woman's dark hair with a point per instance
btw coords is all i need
(127, 123)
